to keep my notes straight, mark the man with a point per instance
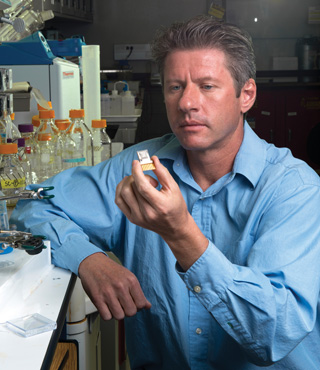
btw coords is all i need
(219, 244)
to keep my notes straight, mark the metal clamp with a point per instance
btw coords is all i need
(30, 194)
(32, 244)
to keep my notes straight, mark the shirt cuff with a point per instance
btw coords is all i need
(209, 276)
(74, 253)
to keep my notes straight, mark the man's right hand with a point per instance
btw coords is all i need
(113, 289)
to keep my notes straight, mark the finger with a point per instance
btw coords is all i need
(104, 311)
(119, 190)
(139, 298)
(116, 308)
(124, 195)
(131, 298)
(128, 305)
(119, 201)
(99, 302)
(141, 177)
(144, 184)
(138, 174)
(163, 175)
(142, 199)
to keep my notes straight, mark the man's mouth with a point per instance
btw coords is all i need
(191, 124)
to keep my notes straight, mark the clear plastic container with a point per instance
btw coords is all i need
(3, 135)
(4, 224)
(33, 21)
(105, 105)
(12, 176)
(36, 124)
(17, 7)
(25, 160)
(115, 103)
(46, 157)
(127, 104)
(3, 114)
(101, 141)
(27, 132)
(30, 150)
(4, 220)
(68, 146)
(29, 325)
(82, 137)
(12, 131)
(63, 125)
(47, 124)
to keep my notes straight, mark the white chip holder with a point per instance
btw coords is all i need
(145, 160)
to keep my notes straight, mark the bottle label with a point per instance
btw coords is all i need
(74, 160)
(12, 184)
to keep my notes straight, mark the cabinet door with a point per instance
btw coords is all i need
(70, 9)
(65, 356)
(262, 117)
(302, 114)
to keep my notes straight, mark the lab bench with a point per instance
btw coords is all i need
(28, 285)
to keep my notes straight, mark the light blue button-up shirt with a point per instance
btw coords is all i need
(250, 300)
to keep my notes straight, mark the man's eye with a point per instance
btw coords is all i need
(175, 88)
(207, 87)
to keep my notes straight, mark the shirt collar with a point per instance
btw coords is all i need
(171, 150)
(251, 157)
(249, 161)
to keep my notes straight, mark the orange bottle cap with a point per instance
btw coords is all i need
(99, 123)
(62, 124)
(45, 114)
(8, 148)
(12, 116)
(76, 113)
(36, 120)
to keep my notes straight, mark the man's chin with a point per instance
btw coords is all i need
(192, 143)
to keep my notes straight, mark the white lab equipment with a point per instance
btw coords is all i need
(83, 325)
(32, 60)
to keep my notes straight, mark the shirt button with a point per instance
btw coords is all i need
(198, 331)
(197, 289)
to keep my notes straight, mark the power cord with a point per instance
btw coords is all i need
(130, 52)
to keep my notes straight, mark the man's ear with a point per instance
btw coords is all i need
(248, 95)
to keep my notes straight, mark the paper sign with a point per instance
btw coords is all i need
(314, 14)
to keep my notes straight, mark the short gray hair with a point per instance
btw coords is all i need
(203, 32)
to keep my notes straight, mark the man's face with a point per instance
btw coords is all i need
(202, 107)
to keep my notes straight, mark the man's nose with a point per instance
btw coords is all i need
(189, 100)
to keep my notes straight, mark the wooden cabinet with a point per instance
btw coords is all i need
(286, 115)
(263, 117)
(65, 357)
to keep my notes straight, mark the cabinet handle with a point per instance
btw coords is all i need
(289, 135)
